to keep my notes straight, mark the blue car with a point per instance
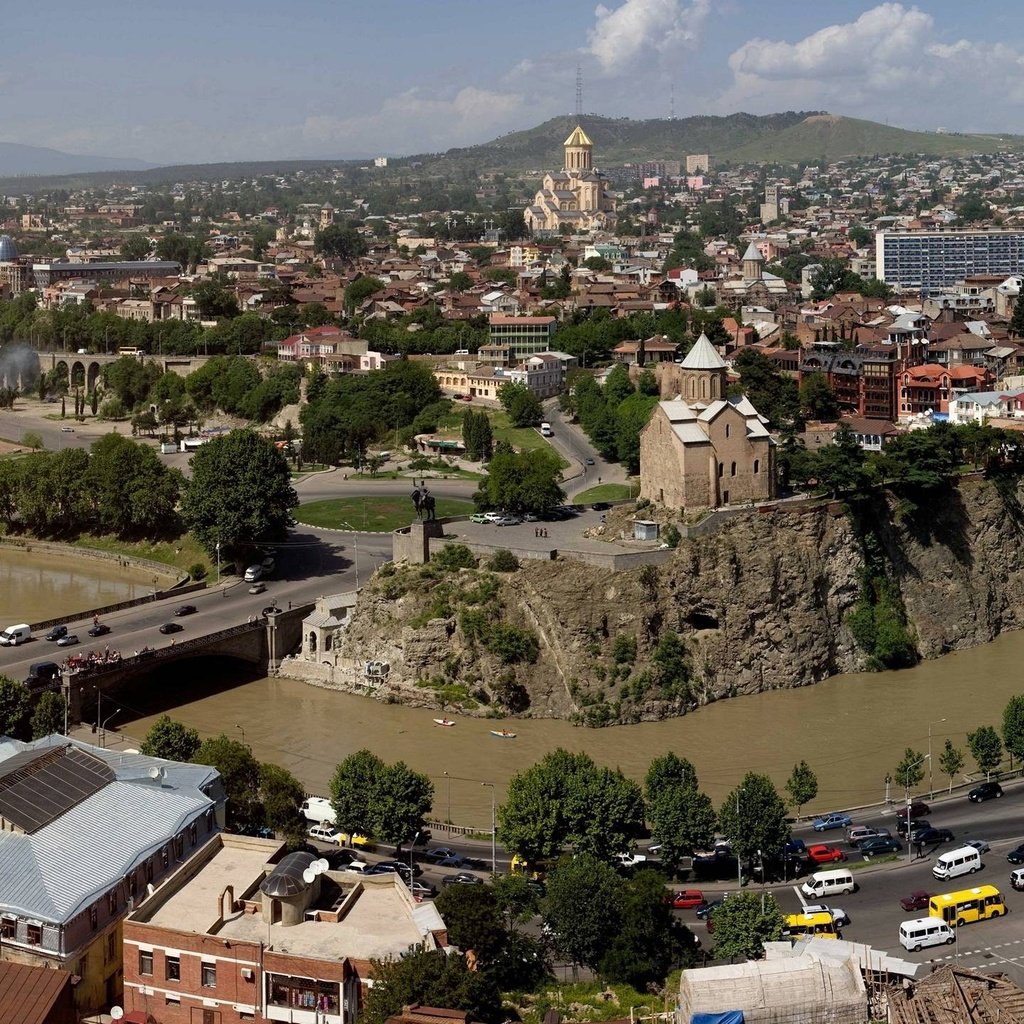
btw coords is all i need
(834, 820)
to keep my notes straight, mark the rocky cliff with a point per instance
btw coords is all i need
(765, 603)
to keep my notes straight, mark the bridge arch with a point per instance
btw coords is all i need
(77, 379)
(92, 375)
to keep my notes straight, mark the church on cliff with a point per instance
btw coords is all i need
(574, 199)
(704, 449)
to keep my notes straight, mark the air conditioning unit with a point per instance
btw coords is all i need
(247, 973)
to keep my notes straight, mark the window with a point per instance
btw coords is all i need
(721, 469)
(165, 857)
(172, 968)
(94, 917)
(8, 928)
(112, 946)
(304, 994)
(193, 834)
(149, 870)
(112, 901)
(757, 465)
(211, 1016)
(34, 934)
(146, 961)
(209, 975)
(728, 428)
(732, 469)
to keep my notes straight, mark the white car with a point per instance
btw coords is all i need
(326, 833)
(630, 860)
(507, 521)
(839, 917)
(493, 517)
(979, 844)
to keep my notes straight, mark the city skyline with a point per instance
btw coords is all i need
(320, 80)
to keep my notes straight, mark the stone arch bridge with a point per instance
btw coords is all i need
(84, 369)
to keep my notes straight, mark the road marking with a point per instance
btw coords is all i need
(800, 895)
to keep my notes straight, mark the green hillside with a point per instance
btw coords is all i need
(832, 137)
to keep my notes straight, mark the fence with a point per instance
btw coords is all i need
(134, 602)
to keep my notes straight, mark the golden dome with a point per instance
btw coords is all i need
(578, 138)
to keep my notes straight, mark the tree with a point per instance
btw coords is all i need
(522, 481)
(240, 776)
(240, 493)
(473, 918)
(986, 748)
(802, 785)
(581, 907)
(339, 242)
(817, 398)
(753, 818)
(1013, 727)
(910, 771)
(681, 817)
(771, 392)
(1017, 319)
(744, 923)
(373, 798)
(839, 467)
(521, 404)
(460, 281)
(565, 799)
(431, 978)
(49, 715)
(951, 761)
(215, 299)
(360, 290)
(15, 709)
(281, 795)
(135, 247)
(859, 235)
(830, 277)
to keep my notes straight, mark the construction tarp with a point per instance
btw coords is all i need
(725, 1017)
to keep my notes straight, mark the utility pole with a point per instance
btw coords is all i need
(494, 854)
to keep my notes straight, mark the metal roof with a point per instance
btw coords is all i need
(287, 878)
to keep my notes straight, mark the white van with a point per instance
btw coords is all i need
(925, 931)
(965, 860)
(316, 808)
(14, 635)
(253, 573)
(829, 883)
(546, 431)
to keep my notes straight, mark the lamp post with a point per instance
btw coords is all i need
(494, 855)
(931, 763)
(218, 563)
(739, 862)
(412, 846)
(103, 735)
(906, 786)
(448, 817)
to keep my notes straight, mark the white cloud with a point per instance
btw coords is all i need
(639, 28)
(891, 63)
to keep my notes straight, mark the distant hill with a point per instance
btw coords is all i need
(17, 160)
(786, 138)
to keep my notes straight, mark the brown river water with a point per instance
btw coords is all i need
(851, 729)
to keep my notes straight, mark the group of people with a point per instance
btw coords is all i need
(90, 660)
(540, 531)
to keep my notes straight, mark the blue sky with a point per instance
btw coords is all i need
(225, 80)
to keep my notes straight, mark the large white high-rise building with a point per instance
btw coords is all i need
(928, 261)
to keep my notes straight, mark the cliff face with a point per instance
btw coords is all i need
(760, 605)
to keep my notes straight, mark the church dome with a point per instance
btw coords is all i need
(8, 250)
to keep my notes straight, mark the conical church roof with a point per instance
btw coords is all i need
(703, 356)
(578, 138)
(753, 253)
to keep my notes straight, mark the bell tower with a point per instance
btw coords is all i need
(578, 152)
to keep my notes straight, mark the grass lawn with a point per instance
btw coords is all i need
(607, 492)
(182, 552)
(378, 515)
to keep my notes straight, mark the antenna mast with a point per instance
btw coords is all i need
(579, 91)
(672, 103)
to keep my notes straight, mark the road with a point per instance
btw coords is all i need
(573, 445)
(310, 563)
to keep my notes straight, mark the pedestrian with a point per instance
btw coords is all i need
(95, 620)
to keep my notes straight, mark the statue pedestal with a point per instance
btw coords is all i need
(413, 544)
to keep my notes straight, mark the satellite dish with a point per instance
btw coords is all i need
(154, 772)
(308, 875)
(116, 1012)
(321, 865)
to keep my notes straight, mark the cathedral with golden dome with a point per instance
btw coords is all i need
(574, 199)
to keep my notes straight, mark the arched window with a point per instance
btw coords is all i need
(728, 428)
(732, 470)
(312, 642)
(757, 465)
(721, 470)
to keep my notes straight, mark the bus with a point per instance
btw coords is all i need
(820, 925)
(967, 905)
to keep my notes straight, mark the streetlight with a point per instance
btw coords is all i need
(494, 855)
(906, 786)
(931, 763)
(218, 563)
(103, 736)
(448, 819)
(739, 862)
(412, 846)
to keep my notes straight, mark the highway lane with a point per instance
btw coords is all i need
(310, 563)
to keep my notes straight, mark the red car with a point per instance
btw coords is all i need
(916, 901)
(822, 853)
(685, 899)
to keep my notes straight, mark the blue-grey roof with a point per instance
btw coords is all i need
(8, 250)
(55, 873)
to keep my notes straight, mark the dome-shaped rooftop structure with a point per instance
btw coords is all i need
(286, 879)
(8, 250)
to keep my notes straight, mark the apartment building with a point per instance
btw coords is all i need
(524, 335)
(929, 261)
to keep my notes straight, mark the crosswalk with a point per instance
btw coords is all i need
(980, 951)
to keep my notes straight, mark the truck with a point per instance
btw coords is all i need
(12, 636)
(318, 809)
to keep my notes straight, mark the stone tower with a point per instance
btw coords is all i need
(578, 152)
(753, 264)
(702, 375)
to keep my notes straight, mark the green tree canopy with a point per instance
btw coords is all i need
(240, 776)
(567, 800)
(473, 918)
(15, 709)
(339, 242)
(802, 785)
(49, 714)
(524, 481)
(753, 818)
(240, 494)
(986, 748)
(771, 392)
(910, 771)
(682, 818)
(1013, 726)
(170, 740)
(281, 795)
(135, 247)
(951, 761)
(744, 923)
(581, 907)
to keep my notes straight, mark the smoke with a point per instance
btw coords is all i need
(19, 366)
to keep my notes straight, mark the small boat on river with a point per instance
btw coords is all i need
(446, 723)
(503, 734)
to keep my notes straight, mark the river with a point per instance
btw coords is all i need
(38, 585)
(851, 729)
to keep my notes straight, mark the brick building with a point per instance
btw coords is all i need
(247, 932)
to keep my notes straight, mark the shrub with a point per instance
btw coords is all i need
(512, 644)
(671, 535)
(454, 556)
(197, 571)
(624, 649)
(503, 561)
